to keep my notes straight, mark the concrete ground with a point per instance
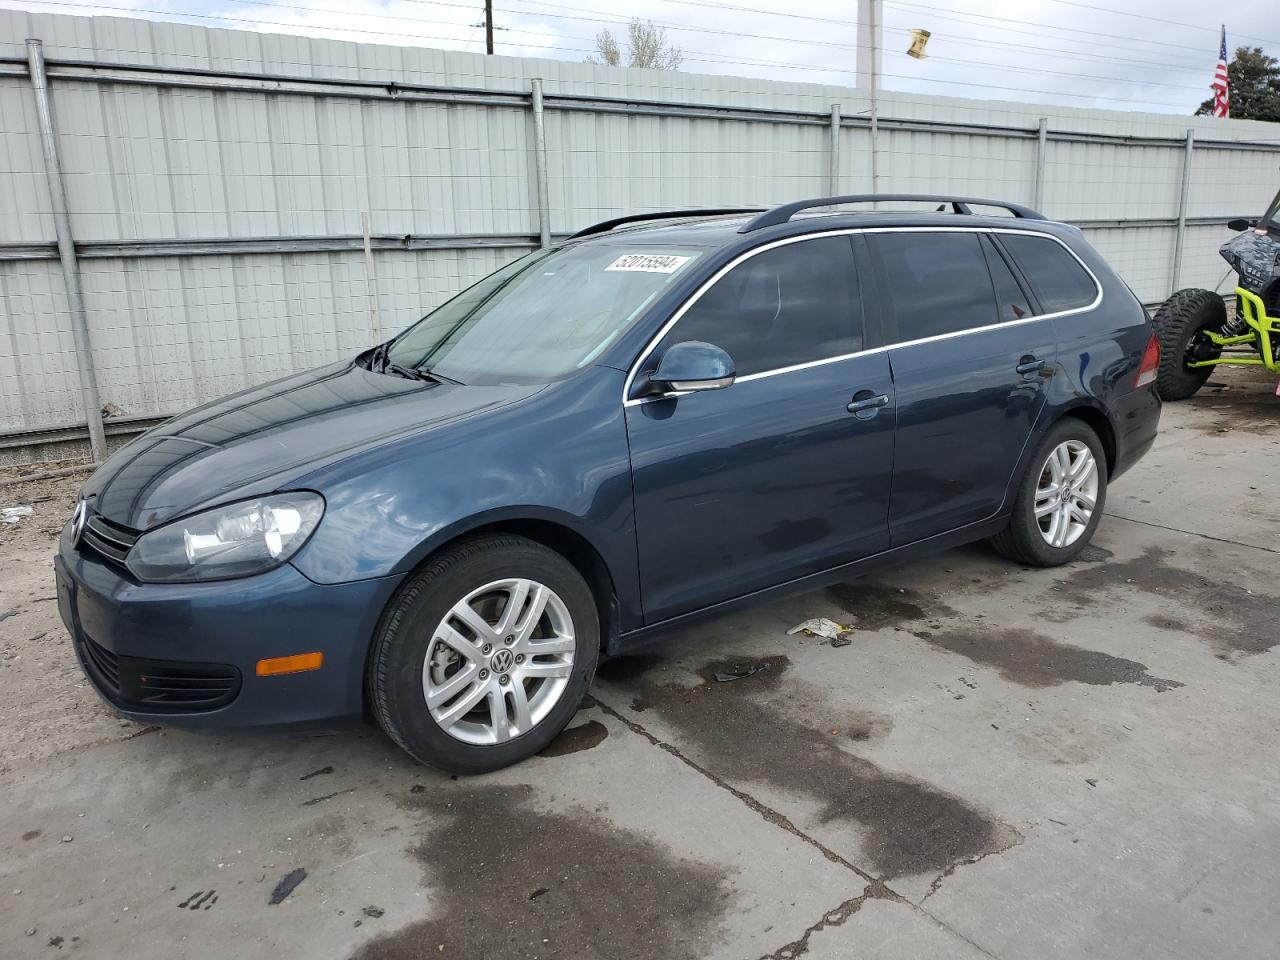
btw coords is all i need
(1004, 763)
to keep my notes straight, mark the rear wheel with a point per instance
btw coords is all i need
(484, 655)
(1180, 324)
(1060, 498)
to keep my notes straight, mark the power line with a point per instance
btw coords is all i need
(728, 62)
(1142, 16)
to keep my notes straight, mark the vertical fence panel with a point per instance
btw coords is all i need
(451, 181)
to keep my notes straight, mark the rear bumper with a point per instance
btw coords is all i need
(1136, 419)
(146, 647)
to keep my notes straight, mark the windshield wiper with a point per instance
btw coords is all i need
(409, 373)
(428, 372)
(378, 359)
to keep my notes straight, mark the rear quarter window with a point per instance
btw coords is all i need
(1056, 277)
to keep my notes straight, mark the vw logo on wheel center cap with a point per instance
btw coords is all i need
(502, 661)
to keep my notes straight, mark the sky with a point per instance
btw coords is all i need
(1146, 55)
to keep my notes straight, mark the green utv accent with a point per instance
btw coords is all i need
(1193, 328)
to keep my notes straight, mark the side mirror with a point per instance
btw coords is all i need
(1239, 224)
(692, 365)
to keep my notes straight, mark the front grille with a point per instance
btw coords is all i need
(107, 539)
(158, 685)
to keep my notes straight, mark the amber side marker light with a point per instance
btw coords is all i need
(298, 663)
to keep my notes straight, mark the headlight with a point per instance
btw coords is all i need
(236, 540)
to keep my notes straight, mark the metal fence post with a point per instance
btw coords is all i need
(834, 185)
(1183, 198)
(1042, 150)
(67, 251)
(540, 165)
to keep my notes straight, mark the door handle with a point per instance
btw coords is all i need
(865, 404)
(1029, 365)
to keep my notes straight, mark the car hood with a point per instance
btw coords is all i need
(259, 440)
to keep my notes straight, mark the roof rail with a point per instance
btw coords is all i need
(785, 212)
(604, 226)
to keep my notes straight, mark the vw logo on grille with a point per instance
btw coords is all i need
(502, 661)
(78, 520)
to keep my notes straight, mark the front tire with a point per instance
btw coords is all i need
(484, 654)
(1060, 498)
(1178, 323)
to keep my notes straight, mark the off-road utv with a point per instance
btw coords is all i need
(1194, 329)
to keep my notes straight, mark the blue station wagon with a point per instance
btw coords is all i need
(660, 418)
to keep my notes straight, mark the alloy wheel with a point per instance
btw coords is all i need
(499, 661)
(1066, 493)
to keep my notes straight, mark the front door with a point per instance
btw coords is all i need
(772, 477)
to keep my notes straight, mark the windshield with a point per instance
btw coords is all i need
(1272, 217)
(543, 316)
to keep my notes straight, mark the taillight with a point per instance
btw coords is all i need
(1150, 365)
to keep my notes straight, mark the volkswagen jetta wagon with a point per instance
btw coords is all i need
(662, 417)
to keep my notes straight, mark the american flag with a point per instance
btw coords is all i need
(1221, 85)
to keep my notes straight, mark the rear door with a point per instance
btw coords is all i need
(971, 360)
(774, 476)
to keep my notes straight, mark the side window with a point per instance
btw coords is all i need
(934, 283)
(792, 304)
(1055, 275)
(1011, 302)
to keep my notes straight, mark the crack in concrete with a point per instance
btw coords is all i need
(768, 813)
(1194, 533)
(876, 889)
(969, 861)
(830, 918)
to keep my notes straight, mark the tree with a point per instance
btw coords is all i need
(1255, 86)
(647, 46)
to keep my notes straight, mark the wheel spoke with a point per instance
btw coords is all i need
(462, 706)
(438, 696)
(498, 716)
(467, 614)
(458, 642)
(1064, 461)
(1084, 500)
(1046, 509)
(1083, 469)
(515, 604)
(538, 668)
(1064, 525)
(1078, 514)
(551, 645)
(520, 708)
(537, 606)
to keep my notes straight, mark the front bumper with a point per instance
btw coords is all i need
(132, 638)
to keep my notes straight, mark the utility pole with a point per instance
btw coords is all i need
(488, 27)
(867, 59)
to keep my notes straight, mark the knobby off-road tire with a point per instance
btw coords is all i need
(1024, 540)
(1177, 321)
(425, 609)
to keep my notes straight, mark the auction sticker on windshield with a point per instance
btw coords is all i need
(648, 263)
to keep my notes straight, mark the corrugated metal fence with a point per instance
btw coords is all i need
(216, 182)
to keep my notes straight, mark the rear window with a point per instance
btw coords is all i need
(1056, 277)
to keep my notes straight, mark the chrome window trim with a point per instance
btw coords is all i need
(848, 231)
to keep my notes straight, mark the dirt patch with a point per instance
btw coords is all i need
(1231, 618)
(1021, 656)
(576, 739)
(740, 734)
(46, 705)
(509, 881)
(1239, 401)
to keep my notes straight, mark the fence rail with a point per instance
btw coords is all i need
(215, 182)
